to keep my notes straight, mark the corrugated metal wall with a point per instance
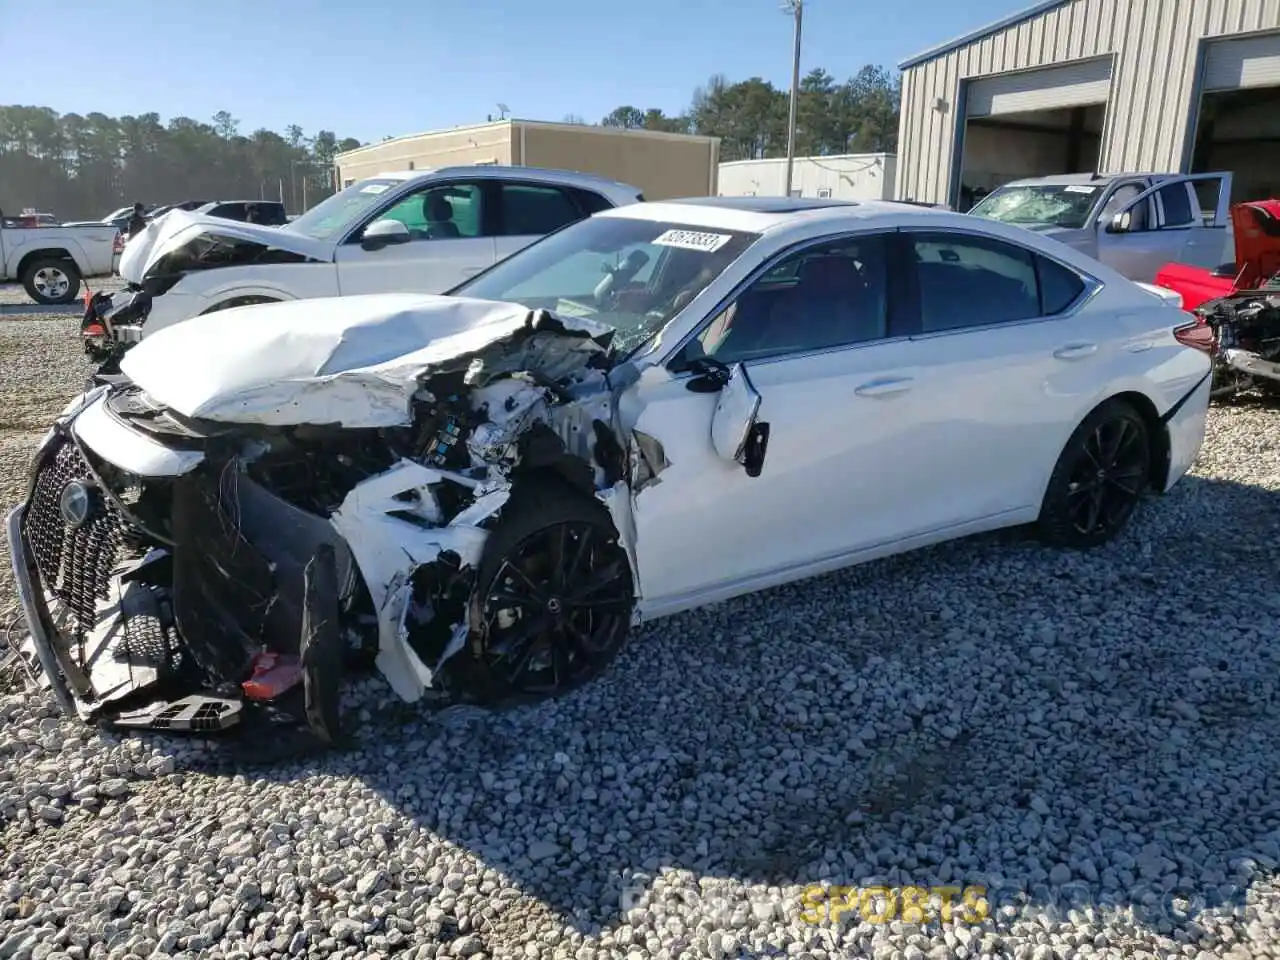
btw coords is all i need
(1155, 44)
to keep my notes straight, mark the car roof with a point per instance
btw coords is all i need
(615, 190)
(1092, 179)
(764, 214)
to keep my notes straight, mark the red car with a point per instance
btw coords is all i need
(1238, 304)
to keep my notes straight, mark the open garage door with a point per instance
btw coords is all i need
(1076, 84)
(1032, 124)
(1238, 126)
(1244, 63)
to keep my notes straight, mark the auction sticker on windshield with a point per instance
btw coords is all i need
(693, 240)
(1074, 188)
(374, 188)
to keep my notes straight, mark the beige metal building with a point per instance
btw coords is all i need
(663, 165)
(850, 176)
(1071, 86)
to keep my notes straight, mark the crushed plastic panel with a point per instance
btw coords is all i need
(371, 362)
(348, 361)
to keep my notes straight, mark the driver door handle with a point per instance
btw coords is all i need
(1076, 351)
(886, 387)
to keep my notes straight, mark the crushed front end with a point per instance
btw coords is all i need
(153, 601)
(1246, 334)
(181, 573)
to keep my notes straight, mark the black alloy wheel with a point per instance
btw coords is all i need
(1099, 479)
(557, 596)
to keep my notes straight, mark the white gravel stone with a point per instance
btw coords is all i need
(1091, 737)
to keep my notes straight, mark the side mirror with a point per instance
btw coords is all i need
(1120, 223)
(384, 233)
(736, 434)
(709, 375)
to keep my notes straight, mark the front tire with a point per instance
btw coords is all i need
(553, 597)
(51, 281)
(1099, 478)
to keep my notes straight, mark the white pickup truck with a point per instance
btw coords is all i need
(50, 261)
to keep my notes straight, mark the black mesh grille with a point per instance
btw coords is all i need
(74, 563)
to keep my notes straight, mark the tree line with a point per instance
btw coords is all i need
(82, 167)
(859, 115)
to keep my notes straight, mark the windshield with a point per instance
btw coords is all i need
(634, 275)
(335, 215)
(1059, 205)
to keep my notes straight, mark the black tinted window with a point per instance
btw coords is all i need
(1177, 205)
(825, 296)
(966, 281)
(271, 214)
(591, 202)
(535, 210)
(1059, 286)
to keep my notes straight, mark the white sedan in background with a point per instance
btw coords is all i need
(405, 231)
(663, 406)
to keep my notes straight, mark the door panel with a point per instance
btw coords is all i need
(1000, 358)
(841, 472)
(1167, 226)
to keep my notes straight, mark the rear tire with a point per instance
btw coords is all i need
(1098, 480)
(51, 281)
(553, 597)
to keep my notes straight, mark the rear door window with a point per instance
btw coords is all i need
(534, 210)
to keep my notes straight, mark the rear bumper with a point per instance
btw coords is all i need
(1186, 425)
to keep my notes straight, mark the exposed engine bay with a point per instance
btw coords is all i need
(1246, 329)
(182, 570)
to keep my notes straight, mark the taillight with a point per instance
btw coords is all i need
(1198, 335)
(93, 330)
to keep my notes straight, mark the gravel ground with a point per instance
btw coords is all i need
(1092, 738)
(15, 303)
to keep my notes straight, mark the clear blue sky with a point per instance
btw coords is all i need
(391, 67)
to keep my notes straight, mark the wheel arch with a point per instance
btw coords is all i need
(45, 253)
(1157, 432)
(245, 300)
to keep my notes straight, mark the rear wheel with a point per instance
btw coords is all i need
(51, 281)
(554, 595)
(1099, 478)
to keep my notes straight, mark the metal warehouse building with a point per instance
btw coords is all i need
(663, 165)
(850, 176)
(1071, 86)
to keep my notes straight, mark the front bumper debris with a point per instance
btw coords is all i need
(103, 612)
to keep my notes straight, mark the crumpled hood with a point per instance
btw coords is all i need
(177, 227)
(1255, 228)
(353, 361)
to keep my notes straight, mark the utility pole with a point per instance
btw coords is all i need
(796, 9)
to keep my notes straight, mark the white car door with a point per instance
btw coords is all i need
(814, 332)
(528, 211)
(447, 242)
(1168, 224)
(1004, 356)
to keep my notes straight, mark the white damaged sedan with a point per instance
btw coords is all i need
(660, 407)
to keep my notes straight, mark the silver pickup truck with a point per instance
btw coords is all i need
(1135, 223)
(50, 261)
